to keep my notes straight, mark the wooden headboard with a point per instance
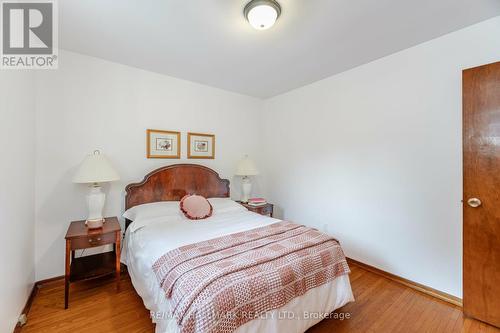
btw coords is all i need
(171, 183)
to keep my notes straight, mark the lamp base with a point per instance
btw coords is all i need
(95, 203)
(246, 189)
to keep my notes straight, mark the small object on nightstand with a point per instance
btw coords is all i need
(265, 209)
(256, 202)
(80, 237)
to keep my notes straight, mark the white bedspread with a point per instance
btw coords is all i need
(159, 235)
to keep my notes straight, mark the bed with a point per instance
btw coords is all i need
(156, 233)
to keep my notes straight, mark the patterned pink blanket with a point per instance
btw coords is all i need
(220, 284)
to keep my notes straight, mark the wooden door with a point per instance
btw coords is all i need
(481, 230)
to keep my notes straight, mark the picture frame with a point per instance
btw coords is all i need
(163, 144)
(201, 145)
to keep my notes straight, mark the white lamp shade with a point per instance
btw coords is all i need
(95, 168)
(246, 167)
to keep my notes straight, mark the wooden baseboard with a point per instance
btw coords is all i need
(46, 281)
(36, 286)
(27, 306)
(414, 285)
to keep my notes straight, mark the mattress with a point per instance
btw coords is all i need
(144, 245)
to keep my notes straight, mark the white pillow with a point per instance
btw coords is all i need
(225, 205)
(152, 210)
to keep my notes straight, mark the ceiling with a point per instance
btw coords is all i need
(209, 41)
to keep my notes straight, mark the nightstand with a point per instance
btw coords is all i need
(266, 209)
(79, 237)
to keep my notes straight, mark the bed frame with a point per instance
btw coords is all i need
(171, 183)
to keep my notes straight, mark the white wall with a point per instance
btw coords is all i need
(17, 176)
(374, 156)
(90, 103)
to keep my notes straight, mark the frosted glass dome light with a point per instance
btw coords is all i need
(262, 14)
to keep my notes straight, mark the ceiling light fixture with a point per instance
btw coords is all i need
(261, 14)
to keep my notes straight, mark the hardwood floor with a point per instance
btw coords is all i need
(381, 305)
(94, 306)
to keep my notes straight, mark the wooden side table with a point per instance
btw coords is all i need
(266, 209)
(80, 237)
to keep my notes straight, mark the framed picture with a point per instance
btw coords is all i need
(163, 144)
(201, 145)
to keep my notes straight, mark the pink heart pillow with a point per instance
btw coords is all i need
(196, 207)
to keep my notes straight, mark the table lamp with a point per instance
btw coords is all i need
(95, 169)
(246, 168)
